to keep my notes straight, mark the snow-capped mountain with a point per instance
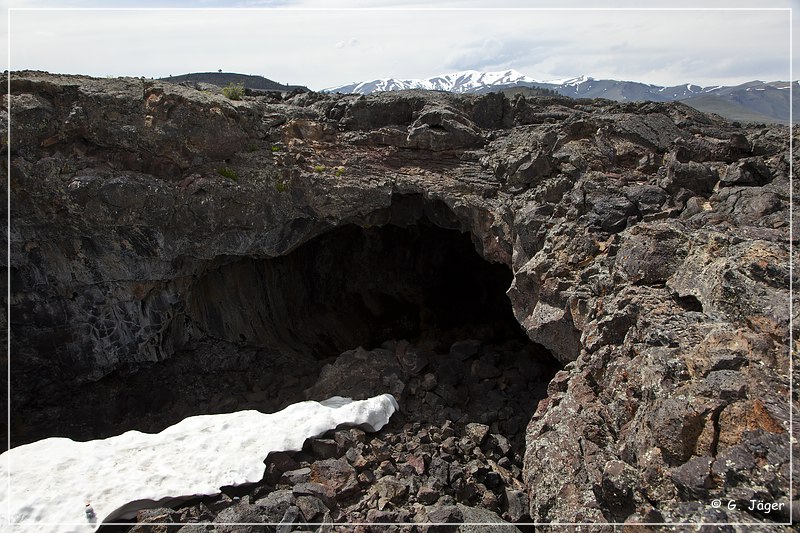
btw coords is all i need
(753, 101)
(473, 81)
(468, 81)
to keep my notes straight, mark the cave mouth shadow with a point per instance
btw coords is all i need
(355, 287)
(256, 331)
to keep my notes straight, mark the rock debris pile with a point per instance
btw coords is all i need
(457, 441)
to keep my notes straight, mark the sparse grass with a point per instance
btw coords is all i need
(233, 91)
(319, 168)
(229, 173)
(276, 148)
(281, 186)
(339, 171)
(252, 147)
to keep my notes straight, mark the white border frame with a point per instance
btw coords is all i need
(423, 9)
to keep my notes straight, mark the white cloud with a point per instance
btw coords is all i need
(349, 43)
(309, 46)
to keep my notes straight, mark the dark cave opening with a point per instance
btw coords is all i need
(355, 287)
(258, 332)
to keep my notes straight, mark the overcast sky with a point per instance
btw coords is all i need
(321, 48)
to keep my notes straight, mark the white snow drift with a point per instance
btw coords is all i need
(51, 480)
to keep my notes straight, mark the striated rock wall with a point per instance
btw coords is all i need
(648, 244)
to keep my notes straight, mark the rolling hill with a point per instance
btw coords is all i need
(256, 83)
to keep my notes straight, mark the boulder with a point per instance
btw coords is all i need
(337, 474)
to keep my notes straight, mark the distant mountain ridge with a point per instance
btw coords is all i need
(256, 83)
(754, 101)
(469, 81)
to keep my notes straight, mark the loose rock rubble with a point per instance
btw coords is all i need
(399, 475)
(457, 442)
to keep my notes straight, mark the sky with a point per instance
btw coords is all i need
(304, 42)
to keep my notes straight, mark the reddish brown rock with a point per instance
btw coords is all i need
(336, 474)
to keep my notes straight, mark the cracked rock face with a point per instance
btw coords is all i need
(648, 244)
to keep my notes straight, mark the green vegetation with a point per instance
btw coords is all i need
(276, 148)
(281, 186)
(233, 91)
(337, 171)
(229, 173)
(252, 147)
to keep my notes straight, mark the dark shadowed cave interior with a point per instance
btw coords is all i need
(358, 287)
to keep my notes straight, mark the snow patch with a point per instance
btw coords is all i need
(569, 81)
(52, 479)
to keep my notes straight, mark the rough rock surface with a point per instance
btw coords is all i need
(648, 244)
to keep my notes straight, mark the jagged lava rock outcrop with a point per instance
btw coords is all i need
(648, 242)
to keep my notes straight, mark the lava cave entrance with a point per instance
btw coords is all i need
(355, 287)
(262, 333)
